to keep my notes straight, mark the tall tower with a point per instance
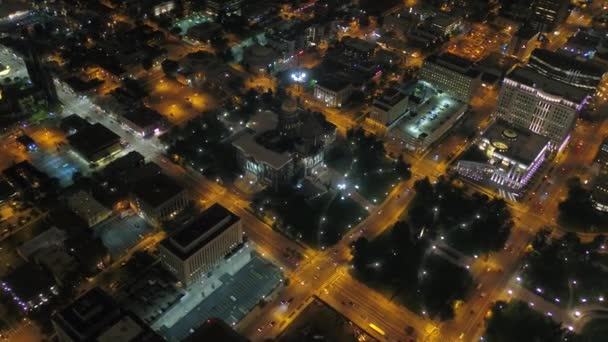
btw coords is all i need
(39, 75)
(546, 15)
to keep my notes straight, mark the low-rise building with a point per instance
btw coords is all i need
(581, 45)
(158, 198)
(29, 286)
(194, 250)
(87, 208)
(426, 122)
(145, 121)
(333, 91)
(260, 59)
(505, 157)
(95, 143)
(30, 182)
(97, 317)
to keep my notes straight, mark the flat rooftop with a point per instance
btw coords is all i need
(247, 143)
(531, 78)
(426, 119)
(93, 139)
(156, 190)
(454, 63)
(515, 144)
(28, 281)
(214, 329)
(144, 117)
(197, 233)
(333, 83)
(83, 317)
(97, 317)
(566, 63)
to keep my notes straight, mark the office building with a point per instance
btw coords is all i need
(452, 74)
(96, 317)
(530, 100)
(39, 75)
(586, 75)
(505, 157)
(158, 198)
(194, 250)
(87, 208)
(547, 15)
(333, 91)
(391, 105)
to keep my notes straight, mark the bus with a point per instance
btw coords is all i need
(377, 329)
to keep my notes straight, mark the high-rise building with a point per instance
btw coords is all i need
(191, 252)
(530, 100)
(452, 74)
(39, 75)
(228, 7)
(546, 15)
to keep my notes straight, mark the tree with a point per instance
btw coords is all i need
(170, 67)
(403, 169)
(516, 321)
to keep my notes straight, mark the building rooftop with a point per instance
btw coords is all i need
(531, 78)
(156, 190)
(522, 146)
(28, 281)
(84, 205)
(214, 329)
(93, 139)
(333, 83)
(359, 44)
(96, 317)
(247, 143)
(144, 117)
(541, 58)
(454, 63)
(6, 191)
(430, 116)
(198, 232)
(24, 175)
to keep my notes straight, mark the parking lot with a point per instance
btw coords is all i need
(120, 234)
(233, 300)
(16, 65)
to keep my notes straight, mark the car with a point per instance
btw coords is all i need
(271, 324)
